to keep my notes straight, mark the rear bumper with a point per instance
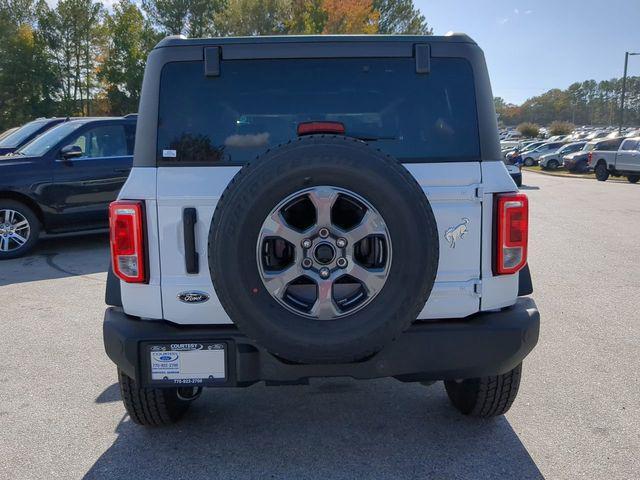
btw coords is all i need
(487, 343)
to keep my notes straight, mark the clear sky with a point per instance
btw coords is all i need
(532, 46)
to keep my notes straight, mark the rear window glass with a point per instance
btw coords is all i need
(254, 105)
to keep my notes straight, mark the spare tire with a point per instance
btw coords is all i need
(323, 250)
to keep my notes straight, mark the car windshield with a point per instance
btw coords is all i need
(233, 117)
(41, 145)
(16, 138)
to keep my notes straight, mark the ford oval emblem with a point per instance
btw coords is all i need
(193, 297)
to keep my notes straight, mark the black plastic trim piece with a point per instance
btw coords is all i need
(487, 343)
(191, 259)
(112, 295)
(525, 285)
(212, 61)
(423, 58)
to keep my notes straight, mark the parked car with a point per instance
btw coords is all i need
(8, 132)
(527, 148)
(23, 135)
(552, 161)
(259, 239)
(63, 180)
(577, 162)
(531, 157)
(624, 162)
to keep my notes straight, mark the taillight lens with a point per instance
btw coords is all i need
(512, 217)
(126, 227)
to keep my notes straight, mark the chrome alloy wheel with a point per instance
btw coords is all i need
(14, 230)
(324, 252)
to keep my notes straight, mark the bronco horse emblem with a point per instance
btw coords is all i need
(456, 233)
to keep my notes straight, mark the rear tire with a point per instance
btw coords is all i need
(485, 396)
(633, 178)
(151, 407)
(18, 214)
(602, 174)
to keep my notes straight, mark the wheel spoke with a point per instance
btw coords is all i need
(276, 226)
(19, 239)
(372, 279)
(21, 225)
(4, 244)
(8, 216)
(276, 282)
(323, 199)
(325, 308)
(371, 224)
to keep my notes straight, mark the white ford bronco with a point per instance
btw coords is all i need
(304, 207)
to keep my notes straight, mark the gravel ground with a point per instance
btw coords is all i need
(577, 415)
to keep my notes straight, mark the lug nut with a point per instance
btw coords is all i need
(324, 272)
(307, 263)
(306, 243)
(341, 242)
(324, 232)
(341, 262)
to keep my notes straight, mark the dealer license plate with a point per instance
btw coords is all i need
(187, 363)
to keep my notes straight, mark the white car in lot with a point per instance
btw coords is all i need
(533, 156)
(553, 160)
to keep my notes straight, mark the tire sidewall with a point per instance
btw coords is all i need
(339, 163)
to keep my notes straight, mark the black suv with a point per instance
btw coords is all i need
(63, 180)
(27, 132)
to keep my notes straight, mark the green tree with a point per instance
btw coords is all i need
(401, 16)
(27, 83)
(254, 17)
(529, 130)
(307, 17)
(193, 18)
(74, 35)
(131, 38)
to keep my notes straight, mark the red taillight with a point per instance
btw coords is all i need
(127, 240)
(589, 158)
(512, 232)
(308, 128)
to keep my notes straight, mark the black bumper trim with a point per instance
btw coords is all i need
(488, 343)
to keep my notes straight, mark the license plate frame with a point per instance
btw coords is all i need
(186, 364)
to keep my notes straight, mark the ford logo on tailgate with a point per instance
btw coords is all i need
(193, 297)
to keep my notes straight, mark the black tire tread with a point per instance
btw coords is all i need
(486, 396)
(150, 406)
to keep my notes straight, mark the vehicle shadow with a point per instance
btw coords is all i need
(59, 257)
(331, 429)
(529, 187)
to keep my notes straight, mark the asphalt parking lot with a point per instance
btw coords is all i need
(577, 415)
